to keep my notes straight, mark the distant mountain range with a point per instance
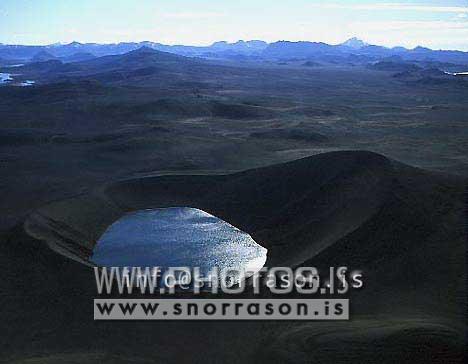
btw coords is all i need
(353, 50)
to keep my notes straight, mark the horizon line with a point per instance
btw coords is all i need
(221, 41)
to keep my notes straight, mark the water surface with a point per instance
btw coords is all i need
(5, 78)
(178, 236)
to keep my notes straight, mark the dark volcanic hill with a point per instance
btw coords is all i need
(143, 63)
(139, 58)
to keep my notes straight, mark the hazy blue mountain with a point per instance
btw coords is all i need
(240, 46)
(354, 43)
(353, 50)
(19, 52)
(286, 49)
(79, 57)
(43, 56)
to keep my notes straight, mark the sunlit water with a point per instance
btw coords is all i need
(457, 73)
(26, 83)
(7, 79)
(177, 237)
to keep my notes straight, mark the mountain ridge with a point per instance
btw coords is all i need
(256, 49)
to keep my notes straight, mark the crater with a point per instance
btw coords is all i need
(296, 210)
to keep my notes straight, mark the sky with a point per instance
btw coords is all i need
(432, 23)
